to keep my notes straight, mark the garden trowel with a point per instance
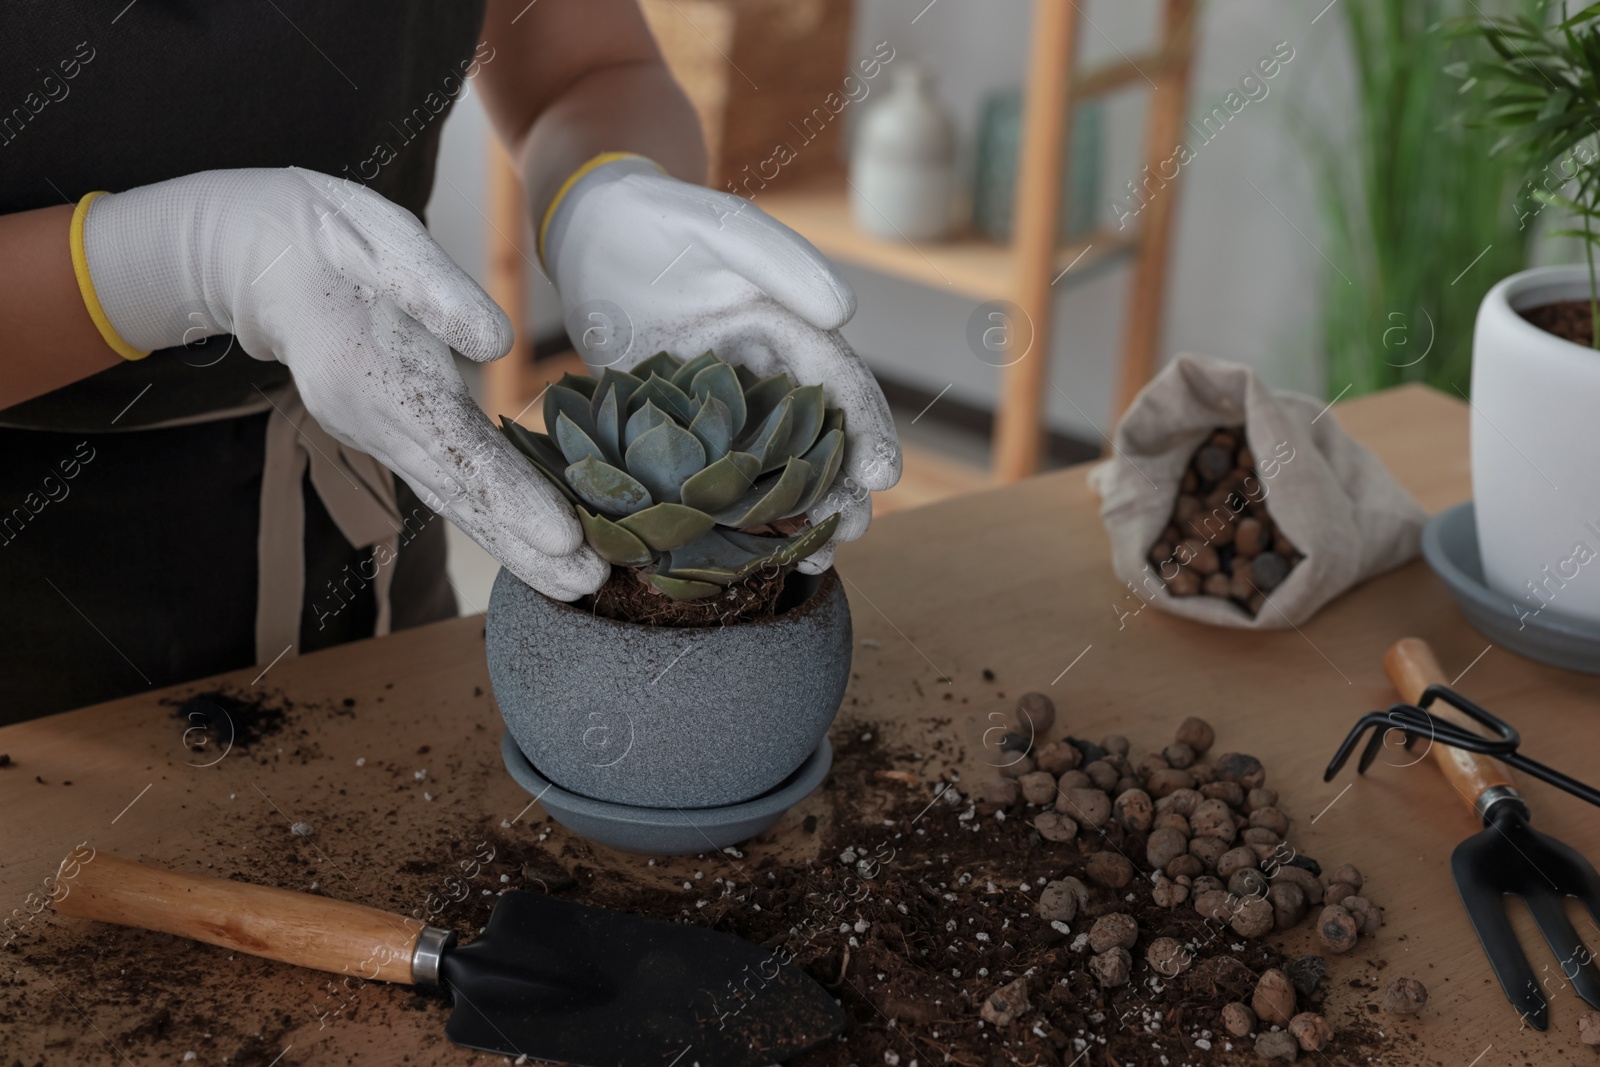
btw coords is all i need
(547, 979)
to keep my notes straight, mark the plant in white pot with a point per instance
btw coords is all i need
(1535, 370)
(704, 674)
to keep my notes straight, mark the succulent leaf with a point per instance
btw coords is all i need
(559, 400)
(578, 383)
(614, 543)
(663, 457)
(661, 363)
(762, 397)
(607, 489)
(541, 452)
(770, 498)
(668, 463)
(646, 418)
(712, 558)
(714, 427)
(721, 382)
(684, 589)
(575, 444)
(824, 457)
(624, 383)
(684, 375)
(809, 409)
(780, 551)
(769, 441)
(722, 482)
(666, 526)
(607, 431)
(664, 395)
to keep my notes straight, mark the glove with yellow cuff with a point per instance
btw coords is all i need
(350, 293)
(644, 263)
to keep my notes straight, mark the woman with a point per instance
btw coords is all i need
(221, 316)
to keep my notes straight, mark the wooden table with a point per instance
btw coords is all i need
(1014, 580)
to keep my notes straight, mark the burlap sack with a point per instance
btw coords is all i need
(1328, 493)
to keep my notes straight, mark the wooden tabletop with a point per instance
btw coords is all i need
(390, 753)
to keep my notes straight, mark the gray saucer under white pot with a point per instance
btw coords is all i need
(668, 717)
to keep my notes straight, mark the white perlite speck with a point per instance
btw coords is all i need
(302, 829)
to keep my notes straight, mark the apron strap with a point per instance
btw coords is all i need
(359, 494)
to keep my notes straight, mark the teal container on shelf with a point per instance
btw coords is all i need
(994, 186)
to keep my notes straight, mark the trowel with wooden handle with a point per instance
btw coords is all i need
(548, 979)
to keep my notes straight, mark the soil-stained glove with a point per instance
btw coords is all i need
(350, 293)
(646, 263)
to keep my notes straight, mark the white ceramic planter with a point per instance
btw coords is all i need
(1536, 449)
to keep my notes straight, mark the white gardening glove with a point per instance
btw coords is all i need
(351, 294)
(646, 263)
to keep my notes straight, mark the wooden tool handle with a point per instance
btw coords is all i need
(297, 928)
(1412, 667)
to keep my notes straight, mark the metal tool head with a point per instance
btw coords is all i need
(1511, 858)
(559, 981)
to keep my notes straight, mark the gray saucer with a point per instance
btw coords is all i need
(667, 831)
(1450, 545)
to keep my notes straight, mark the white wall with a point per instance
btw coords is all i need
(1243, 282)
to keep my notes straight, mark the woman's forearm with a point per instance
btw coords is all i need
(632, 108)
(604, 88)
(49, 339)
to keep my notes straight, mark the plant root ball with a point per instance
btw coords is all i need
(1112, 967)
(1110, 869)
(1036, 712)
(1404, 996)
(1311, 1030)
(1277, 1045)
(1238, 1019)
(1274, 999)
(1112, 930)
(1337, 929)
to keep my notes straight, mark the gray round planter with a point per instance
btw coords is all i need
(668, 717)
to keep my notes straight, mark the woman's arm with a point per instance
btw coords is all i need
(50, 341)
(570, 79)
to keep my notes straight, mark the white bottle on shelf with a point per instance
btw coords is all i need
(903, 167)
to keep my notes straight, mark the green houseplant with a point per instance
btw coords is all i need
(1535, 88)
(686, 703)
(1417, 216)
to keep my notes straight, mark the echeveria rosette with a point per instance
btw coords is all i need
(671, 463)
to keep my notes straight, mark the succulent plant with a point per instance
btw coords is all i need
(674, 464)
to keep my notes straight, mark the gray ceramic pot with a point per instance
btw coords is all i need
(668, 717)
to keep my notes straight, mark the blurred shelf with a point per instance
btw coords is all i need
(969, 264)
